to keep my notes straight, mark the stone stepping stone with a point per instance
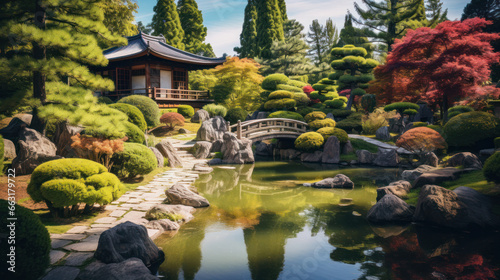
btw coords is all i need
(111, 207)
(62, 272)
(70, 236)
(96, 231)
(126, 206)
(117, 213)
(56, 255)
(58, 243)
(134, 201)
(105, 226)
(87, 245)
(134, 215)
(77, 259)
(78, 229)
(105, 220)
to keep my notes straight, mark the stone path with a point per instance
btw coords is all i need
(75, 248)
(380, 144)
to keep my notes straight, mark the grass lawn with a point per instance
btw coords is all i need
(359, 144)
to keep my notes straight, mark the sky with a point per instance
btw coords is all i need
(224, 18)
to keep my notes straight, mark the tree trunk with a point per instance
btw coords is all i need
(39, 53)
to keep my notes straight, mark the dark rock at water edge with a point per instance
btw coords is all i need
(202, 149)
(412, 175)
(390, 209)
(331, 150)
(263, 149)
(340, 181)
(311, 157)
(438, 176)
(365, 157)
(398, 188)
(129, 269)
(179, 194)
(236, 151)
(386, 158)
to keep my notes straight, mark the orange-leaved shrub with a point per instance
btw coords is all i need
(97, 149)
(171, 120)
(421, 140)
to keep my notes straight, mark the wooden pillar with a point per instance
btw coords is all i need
(148, 76)
(239, 130)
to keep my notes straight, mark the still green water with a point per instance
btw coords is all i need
(263, 224)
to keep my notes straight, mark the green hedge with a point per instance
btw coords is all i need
(469, 128)
(2, 154)
(134, 134)
(305, 110)
(317, 124)
(315, 116)
(351, 123)
(272, 81)
(236, 114)
(186, 111)
(335, 104)
(289, 88)
(32, 244)
(280, 94)
(135, 159)
(215, 110)
(309, 141)
(301, 99)
(491, 169)
(326, 132)
(280, 104)
(104, 100)
(286, 115)
(457, 110)
(297, 84)
(147, 106)
(133, 113)
(65, 182)
(401, 106)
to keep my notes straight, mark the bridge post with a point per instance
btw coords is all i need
(238, 133)
(228, 126)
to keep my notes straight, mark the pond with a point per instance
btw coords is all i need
(263, 224)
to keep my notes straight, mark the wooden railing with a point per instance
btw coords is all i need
(269, 128)
(161, 94)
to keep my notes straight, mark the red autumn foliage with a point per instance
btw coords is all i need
(441, 65)
(171, 120)
(421, 140)
(307, 90)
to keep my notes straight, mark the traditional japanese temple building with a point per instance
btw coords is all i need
(147, 65)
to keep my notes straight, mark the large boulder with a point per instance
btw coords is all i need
(437, 176)
(412, 175)
(159, 157)
(317, 156)
(386, 158)
(163, 225)
(430, 159)
(9, 149)
(216, 146)
(168, 151)
(331, 150)
(236, 151)
(478, 208)
(128, 240)
(33, 150)
(179, 194)
(62, 139)
(348, 148)
(129, 269)
(390, 209)
(262, 115)
(264, 149)
(340, 181)
(465, 160)
(212, 129)
(398, 188)
(200, 116)
(383, 133)
(202, 149)
(365, 157)
(180, 213)
(13, 129)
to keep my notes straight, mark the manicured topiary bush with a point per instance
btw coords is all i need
(301, 98)
(315, 116)
(135, 159)
(104, 100)
(280, 104)
(305, 110)
(317, 124)
(296, 83)
(272, 81)
(32, 245)
(289, 88)
(64, 183)
(2, 153)
(401, 107)
(410, 112)
(335, 103)
(280, 94)
(469, 128)
(351, 123)
(215, 110)
(421, 140)
(326, 132)
(133, 133)
(419, 124)
(236, 114)
(147, 106)
(309, 141)
(133, 113)
(338, 113)
(457, 110)
(286, 115)
(171, 120)
(491, 169)
(185, 110)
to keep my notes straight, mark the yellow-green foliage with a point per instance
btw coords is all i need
(301, 99)
(66, 182)
(326, 132)
(467, 129)
(215, 110)
(134, 134)
(147, 106)
(491, 168)
(286, 115)
(32, 243)
(283, 104)
(336, 103)
(272, 81)
(297, 84)
(185, 110)
(309, 141)
(289, 88)
(134, 115)
(317, 124)
(315, 116)
(135, 159)
(280, 94)
(375, 120)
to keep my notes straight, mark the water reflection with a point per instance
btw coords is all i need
(262, 224)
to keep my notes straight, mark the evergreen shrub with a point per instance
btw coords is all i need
(147, 106)
(272, 81)
(317, 124)
(215, 110)
(185, 110)
(283, 104)
(135, 159)
(133, 113)
(491, 169)
(315, 116)
(286, 115)
(467, 129)
(326, 132)
(309, 141)
(236, 114)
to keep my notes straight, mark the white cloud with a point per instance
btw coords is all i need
(224, 38)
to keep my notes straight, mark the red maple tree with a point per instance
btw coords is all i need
(444, 65)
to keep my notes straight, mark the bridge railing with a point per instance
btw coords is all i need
(267, 128)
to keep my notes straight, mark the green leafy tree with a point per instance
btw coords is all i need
(269, 26)
(166, 22)
(144, 28)
(248, 36)
(434, 10)
(119, 16)
(194, 30)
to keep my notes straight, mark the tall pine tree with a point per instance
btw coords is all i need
(282, 5)
(248, 37)
(194, 30)
(269, 26)
(316, 38)
(119, 16)
(434, 10)
(166, 22)
(332, 34)
(350, 35)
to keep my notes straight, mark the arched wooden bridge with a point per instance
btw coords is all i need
(261, 129)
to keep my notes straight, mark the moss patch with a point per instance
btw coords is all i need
(359, 144)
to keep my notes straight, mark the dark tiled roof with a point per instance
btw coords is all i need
(141, 44)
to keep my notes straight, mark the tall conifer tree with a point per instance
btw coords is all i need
(282, 5)
(166, 22)
(269, 26)
(248, 37)
(350, 35)
(434, 11)
(194, 30)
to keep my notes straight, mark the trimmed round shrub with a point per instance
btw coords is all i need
(147, 106)
(305, 110)
(171, 120)
(421, 140)
(289, 88)
(351, 123)
(277, 104)
(271, 81)
(280, 94)
(315, 116)
(134, 134)
(335, 104)
(215, 110)
(301, 99)
(467, 129)
(317, 124)
(358, 91)
(135, 159)
(104, 100)
(236, 114)
(401, 106)
(286, 115)
(297, 84)
(410, 112)
(32, 243)
(133, 113)
(326, 132)
(309, 141)
(265, 94)
(2, 154)
(339, 113)
(491, 169)
(185, 110)
(457, 110)
(66, 182)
